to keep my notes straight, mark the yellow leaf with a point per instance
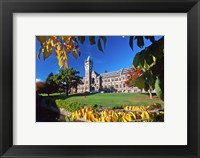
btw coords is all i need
(143, 115)
(107, 119)
(58, 51)
(76, 115)
(92, 118)
(66, 65)
(65, 60)
(58, 55)
(123, 119)
(42, 39)
(74, 53)
(85, 116)
(53, 37)
(102, 119)
(52, 44)
(58, 47)
(114, 118)
(127, 117)
(154, 59)
(60, 62)
(67, 38)
(82, 112)
(146, 114)
(47, 52)
(88, 115)
(132, 115)
(64, 55)
(38, 56)
(39, 53)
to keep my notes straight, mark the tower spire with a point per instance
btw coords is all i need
(88, 72)
(88, 58)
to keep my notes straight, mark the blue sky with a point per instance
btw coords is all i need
(117, 54)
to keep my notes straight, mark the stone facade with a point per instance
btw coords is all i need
(107, 82)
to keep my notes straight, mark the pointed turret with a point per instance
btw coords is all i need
(88, 59)
(88, 71)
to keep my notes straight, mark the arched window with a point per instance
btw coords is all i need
(93, 80)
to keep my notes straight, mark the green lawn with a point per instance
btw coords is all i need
(110, 99)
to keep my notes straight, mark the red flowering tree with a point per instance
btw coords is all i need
(141, 79)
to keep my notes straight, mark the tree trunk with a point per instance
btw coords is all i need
(150, 94)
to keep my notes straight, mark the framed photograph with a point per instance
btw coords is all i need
(84, 86)
(98, 79)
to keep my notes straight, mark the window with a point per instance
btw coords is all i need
(124, 85)
(93, 80)
(116, 79)
(116, 86)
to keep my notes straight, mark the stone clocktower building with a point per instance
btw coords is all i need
(112, 82)
(88, 72)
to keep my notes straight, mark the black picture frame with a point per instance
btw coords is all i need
(8, 7)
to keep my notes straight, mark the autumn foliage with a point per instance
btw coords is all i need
(64, 45)
(150, 113)
(40, 85)
(132, 76)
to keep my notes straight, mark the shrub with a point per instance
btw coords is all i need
(69, 105)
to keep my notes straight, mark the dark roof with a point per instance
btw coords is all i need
(96, 73)
(115, 73)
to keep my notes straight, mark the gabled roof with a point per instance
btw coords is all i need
(115, 73)
(95, 73)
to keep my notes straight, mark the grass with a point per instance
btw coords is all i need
(109, 99)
